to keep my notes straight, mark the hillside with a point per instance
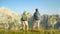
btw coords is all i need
(8, 18)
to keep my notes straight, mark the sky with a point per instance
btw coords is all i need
(44, 6)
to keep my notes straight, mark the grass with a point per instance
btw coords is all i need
(4, 31)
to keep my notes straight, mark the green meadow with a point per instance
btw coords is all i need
(5, 31)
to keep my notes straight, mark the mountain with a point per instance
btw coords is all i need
(8, 18)
(9, 12)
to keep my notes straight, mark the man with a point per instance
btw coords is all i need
(24, 21)
(36, 19)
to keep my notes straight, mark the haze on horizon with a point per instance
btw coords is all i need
(44, 6)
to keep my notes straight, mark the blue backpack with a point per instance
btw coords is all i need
(36, 16)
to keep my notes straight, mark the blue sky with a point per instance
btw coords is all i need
(44, 6)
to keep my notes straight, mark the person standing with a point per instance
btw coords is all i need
(36, 19)
(24, 21)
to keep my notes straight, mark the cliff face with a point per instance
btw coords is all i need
(5, 11)
(8, 18)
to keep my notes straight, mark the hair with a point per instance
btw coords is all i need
(36, 9)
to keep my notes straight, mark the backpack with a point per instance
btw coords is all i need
(24, 18)
(36, 16)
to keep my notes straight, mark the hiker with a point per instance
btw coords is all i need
(24, 21)
(36, 19)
